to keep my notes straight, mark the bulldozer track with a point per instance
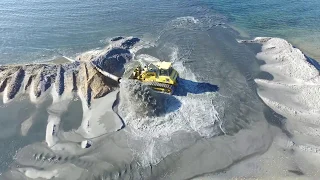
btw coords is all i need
(156, 84)
(167, 87)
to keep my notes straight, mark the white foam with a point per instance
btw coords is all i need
(203, 22)
(184, 22)
(141, 45)
(193, 113)
(145, 58)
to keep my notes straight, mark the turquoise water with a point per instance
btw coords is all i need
(40, 30)
(296, 21)
(271, 15)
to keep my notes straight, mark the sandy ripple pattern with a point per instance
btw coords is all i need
(81, 78)
(293, 92)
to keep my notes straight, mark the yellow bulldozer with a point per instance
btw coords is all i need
(160, 76)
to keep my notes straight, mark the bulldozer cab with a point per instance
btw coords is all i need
(152, 70)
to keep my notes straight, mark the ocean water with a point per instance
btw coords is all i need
(35, 30)
(38, 30)
(204, 131)
(296, 21)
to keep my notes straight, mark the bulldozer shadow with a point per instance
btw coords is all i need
(187, 86)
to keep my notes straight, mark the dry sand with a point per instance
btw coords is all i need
(294, 92)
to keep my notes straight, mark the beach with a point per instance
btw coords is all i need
(246, 106)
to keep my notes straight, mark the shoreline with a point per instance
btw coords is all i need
(296, 81)
(307, 50)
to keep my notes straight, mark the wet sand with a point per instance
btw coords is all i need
(215, 134)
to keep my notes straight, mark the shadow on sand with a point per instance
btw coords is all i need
(313, 62)
(187, 86)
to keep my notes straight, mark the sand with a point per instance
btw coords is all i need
(294, 93)
(178, 144)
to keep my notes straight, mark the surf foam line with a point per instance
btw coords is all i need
(152, 136)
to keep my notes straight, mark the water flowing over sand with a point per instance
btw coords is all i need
(153, 120)
(223, 120)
